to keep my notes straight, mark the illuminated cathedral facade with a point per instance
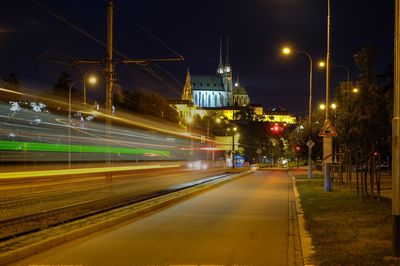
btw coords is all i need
(215, 91)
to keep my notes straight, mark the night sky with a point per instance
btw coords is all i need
(257, 29)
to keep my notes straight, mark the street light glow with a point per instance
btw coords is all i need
(321, 64)
(322, 106)
(189, 119)
(355, 90)
(286, 50)
(92, 80)
(333, 105)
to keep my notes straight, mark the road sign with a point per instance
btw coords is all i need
(328, 130)
(310, 143)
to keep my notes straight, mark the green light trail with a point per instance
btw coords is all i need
(50, 147)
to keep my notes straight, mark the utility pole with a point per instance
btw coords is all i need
(327, 140)
(110, 63)
(395, 136)
(109, 74)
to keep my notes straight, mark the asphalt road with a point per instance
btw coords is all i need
(242, 222)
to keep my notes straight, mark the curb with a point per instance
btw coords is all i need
(305, 238)
(145, 207)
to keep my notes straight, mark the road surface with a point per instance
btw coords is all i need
(241, 222)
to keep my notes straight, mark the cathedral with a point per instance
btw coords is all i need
(215, 91)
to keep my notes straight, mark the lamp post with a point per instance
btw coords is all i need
(287, 51)
(233, 130)
(189, 122)
(92, 80)
(322, 65)
(86, 78)
(327, 140)
(217, 120)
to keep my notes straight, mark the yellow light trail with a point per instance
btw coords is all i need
(47, 173)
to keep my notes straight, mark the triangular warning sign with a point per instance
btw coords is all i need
(328, 130)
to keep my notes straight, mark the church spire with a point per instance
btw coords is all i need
(220, 69)
(237, 84)
(187, 88)
(227, 51)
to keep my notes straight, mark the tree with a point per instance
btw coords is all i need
(61, 86)
(11, 82)
(363, 119)
(148, 103)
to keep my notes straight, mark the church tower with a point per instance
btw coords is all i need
(228, 77)
(187, 89)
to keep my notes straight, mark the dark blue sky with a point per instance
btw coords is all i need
(256, 28)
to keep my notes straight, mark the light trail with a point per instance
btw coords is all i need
(49, 147)
(47, 173)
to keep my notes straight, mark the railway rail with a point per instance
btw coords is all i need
(26, 224)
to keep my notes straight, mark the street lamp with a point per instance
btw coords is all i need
(92, 80)
(189, 122)
(232, 131)
(287, 51)
(322, 65)
(327, 140)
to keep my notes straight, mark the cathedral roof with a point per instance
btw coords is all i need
(207, 83)
(239, 90)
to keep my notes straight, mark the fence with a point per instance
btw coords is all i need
(367, 173)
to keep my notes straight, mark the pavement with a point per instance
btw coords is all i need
(244, 222)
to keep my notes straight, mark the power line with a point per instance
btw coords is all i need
(135, 61)
(149, 32)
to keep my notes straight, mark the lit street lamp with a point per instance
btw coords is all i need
(327, 140)
(189, 122)
(91, 80)
(233, 130)
(287, 51)
(322, 64)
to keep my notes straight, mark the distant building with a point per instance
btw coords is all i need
(215, 91)
(279, 116)
(217, 95)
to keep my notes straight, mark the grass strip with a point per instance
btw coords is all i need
(345, 230)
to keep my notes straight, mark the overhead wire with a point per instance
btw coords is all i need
(85, 33)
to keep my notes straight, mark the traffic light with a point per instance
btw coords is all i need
(277, 129)
(298, 148)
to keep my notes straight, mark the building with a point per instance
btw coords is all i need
(215, 91)
(217, 95)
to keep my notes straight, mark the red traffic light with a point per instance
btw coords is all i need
(277, 129)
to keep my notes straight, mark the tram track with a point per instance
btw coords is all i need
(29, 223)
